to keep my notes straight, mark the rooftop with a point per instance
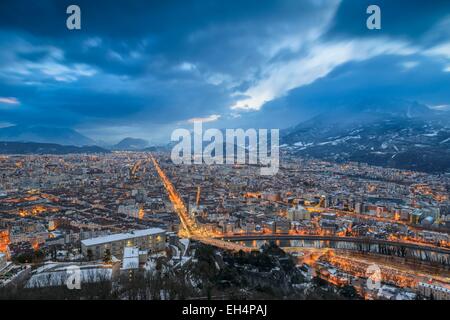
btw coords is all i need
(122, 236)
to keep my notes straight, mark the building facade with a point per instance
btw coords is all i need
(152, 240)
(435, 292)
(2, 260)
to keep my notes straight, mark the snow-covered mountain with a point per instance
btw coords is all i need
(397, 134)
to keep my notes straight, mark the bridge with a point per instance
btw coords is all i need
(401, 249)
(368, 241)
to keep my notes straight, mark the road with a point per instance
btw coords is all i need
(189, 226)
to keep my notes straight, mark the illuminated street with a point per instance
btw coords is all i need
(190, 229)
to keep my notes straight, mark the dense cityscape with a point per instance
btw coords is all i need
(211, 158)
(126, 215)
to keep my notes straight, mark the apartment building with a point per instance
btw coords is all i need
(152, 240)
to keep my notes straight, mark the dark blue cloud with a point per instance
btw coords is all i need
(381, 79)
(139, 64)
(409, 19)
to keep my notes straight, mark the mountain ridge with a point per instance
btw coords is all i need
(131, 144)
(45, 134)
(408, 136)
(12, 147)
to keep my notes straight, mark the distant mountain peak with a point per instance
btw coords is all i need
(46, 148)
(395, 107)
(44, 134)
(131, 144)
(398, 134)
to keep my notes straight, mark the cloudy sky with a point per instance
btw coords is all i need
(142, 68)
